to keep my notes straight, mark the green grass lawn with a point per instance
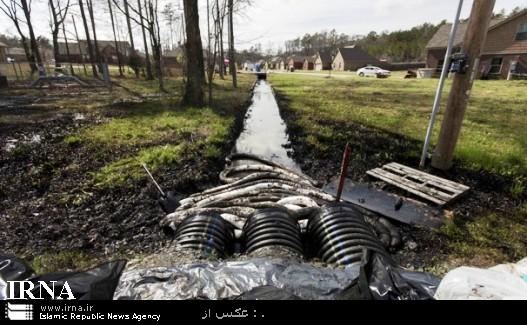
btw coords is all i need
(494, 134)
(493, 143)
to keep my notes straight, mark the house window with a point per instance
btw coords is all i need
(522, 33)
(495, 65)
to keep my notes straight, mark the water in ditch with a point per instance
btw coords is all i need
(264, 133)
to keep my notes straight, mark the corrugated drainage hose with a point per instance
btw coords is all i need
(206, 233)
(271, 228)
(339, 234)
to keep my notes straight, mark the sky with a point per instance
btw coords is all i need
(272, 22)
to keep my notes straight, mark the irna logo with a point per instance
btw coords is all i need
(25, 290)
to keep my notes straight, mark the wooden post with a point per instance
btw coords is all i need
(462, 85)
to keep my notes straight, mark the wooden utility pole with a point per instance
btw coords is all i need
(462, 85)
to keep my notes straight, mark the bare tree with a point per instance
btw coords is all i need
(220, 17)
(58, 10)
(79, 45)
(95, 42)
(232, 61)
(88, 39)
(72, 71)
(149, 75)
(117, 49)
(149, 21)
(194, 52)
(211, 54)
(10, 9)
(26, 8)
(155, 36)
(128, 23)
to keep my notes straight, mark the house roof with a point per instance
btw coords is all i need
(2, 44)
(440, 38)
(355, 53)
(325, 55)
(299, 58)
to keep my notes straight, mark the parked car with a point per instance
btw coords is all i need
(371, 71)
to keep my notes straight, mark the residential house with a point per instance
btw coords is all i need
(282, 65)
(505, 46)
(3, 54)
(16, 53)
(107, 51)
(274, 63)
(351, 58)
(309, 63)
(296, 62)
(323, 60)
(174, 58)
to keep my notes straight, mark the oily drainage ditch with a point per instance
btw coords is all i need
(269, 232)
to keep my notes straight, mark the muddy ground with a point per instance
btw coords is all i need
(423, 249)
(45, 206)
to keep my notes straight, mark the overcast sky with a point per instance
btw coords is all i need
(272, 22)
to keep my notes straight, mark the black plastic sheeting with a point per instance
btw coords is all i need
(95, 284)
(263, 279)
(257, 279)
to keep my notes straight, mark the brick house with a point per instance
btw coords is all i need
(323, 60)
(296, 62)
(107, 50)
(351, 58)
(505, 47)
(309, 63)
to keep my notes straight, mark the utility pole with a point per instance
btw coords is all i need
(473, 43)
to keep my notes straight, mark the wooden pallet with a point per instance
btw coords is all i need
(432, 188)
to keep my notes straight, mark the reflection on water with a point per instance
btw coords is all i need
(264, 131)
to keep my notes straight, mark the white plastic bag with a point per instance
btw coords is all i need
(502, 282)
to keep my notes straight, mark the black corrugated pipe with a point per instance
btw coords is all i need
(339, 234)
(207, 233)
(270, 228)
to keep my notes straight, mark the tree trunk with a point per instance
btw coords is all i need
(72, 71)
(195, 66)
(155, 35)
(232, 63)
(219, 34)
(149, 75)
(55, 32)
(79, 44)
(96, 44)
(129, 25)
(88, 40)
(32, 39)
(119, 58)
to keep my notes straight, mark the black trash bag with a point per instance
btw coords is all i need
(379, 280)
(267, 293)
(13, 269)
(98, 283)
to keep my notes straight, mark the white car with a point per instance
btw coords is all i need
(371, 71)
